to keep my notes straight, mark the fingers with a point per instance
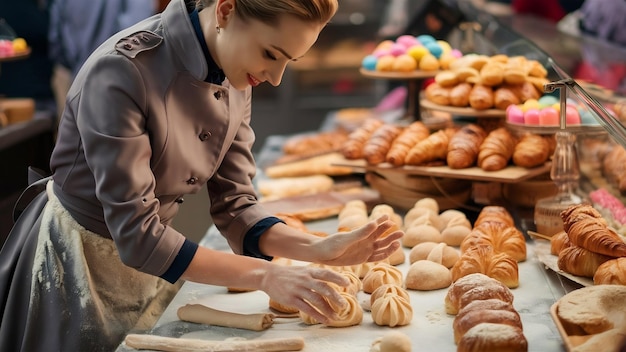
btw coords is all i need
(385, 252)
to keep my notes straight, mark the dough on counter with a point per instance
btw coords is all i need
(380, 274)
(393, 341)
(422, 250)
(426, 275)
(391, 289)
(392, 310)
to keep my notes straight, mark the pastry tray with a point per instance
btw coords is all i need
(417, 74)
(463, 111)
(569, 341)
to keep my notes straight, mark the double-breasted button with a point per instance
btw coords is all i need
(217, 95)
(128, 46)
(192, 181)
(204, 135)
(136, 41)
(180, 200)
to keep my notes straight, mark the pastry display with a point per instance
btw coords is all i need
(392, 310)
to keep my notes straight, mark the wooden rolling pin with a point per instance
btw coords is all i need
(160, 343)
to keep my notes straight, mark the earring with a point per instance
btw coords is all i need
(218, 29)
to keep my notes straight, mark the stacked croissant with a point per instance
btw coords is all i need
(485, 319)
(588, 247)
(482, 82)
(493, 248)
(458, 147)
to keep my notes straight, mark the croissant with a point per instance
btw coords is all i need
(592, 233)
(502, 238)
(580, 261)
(481, 97)
(503, 97)
(459, 94)
(483, 259)
(558, 242)
(531, 150)
(463, 146)
(376, 148)
(434, 147)
(474, 287)
(494, 213)
(409, 137)
(352, 148)
(611, 272)
(496, 150)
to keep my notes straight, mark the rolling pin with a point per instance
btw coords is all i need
(201, 314)
(160, 343)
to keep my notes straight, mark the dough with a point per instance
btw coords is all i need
(380, 274)
(425, 275)
(392, 310)
(594, 309)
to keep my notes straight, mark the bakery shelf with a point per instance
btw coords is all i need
(417, 74)
(463, 111)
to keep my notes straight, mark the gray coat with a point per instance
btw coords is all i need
(141, 129)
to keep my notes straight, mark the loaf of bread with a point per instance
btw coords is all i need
(377, 146)
(409, 137)
(531, 150)
(484, 260)
(502, 238)
(464, 145)
(481, 97)
(352, 148)
(466, 320)
(474, 287)
(496, 150)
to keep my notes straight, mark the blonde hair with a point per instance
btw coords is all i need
(268, 11)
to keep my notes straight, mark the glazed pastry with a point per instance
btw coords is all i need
(352, 148)
(494, 213)
(580, 261)
(496, 150)
(586, 228)
(503, 97)
(392, 310)
(467, 320)
(611, 272)
(558, 242)
(459, 94)
(493, 337)
(532, 150)
(437, 94)
(464, 145)
(380, 274)
(475, 287)
(376, 148)
(426, 275)
(502, 238)
(434, 147)
(481, 97)
(409, 136)
(484, 260)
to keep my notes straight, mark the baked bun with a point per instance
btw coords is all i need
(426, 275)
(532, 150)
(380, 274)
(611, 272)
(474, 287)
(493, 337)
(437, 94)
(466, 320)
(494, 213)
(459, 94)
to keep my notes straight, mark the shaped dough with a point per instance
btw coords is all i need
(392, 310)
(380, 274)
(425, 275)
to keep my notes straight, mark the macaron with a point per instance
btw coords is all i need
(572, 116)
(514, 114)
(549, 117)
(369, 62)
(531, 116)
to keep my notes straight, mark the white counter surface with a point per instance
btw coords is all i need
(430, 329)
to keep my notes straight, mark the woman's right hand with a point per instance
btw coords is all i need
(305, 288)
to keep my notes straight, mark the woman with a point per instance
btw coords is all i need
(157, 111)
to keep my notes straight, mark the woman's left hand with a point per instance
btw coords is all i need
(361, 245)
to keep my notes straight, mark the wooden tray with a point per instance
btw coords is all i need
(454, 110)
(510, 174)
(569, 341)
(417, 74)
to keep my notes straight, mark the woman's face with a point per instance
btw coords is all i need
(252, 52)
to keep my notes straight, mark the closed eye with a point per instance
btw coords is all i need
(269, 55)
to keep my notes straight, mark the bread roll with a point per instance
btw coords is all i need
(464, 145)
(423, 250)
(459, 94)
(496, 150)
(484, 260)
(475, 287)
(493, 337)
(437, 94)
(611, 272)
(492, 74)
(481, 97)
(426, 275)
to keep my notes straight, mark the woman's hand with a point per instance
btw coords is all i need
(360, 245)
(305, 288)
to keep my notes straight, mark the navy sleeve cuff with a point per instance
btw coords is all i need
(251, 240)
(181, 262)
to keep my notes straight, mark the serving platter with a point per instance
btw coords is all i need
(416, 74)
(463, 111)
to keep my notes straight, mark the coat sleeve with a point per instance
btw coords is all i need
(234, 205)
(117, 149)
